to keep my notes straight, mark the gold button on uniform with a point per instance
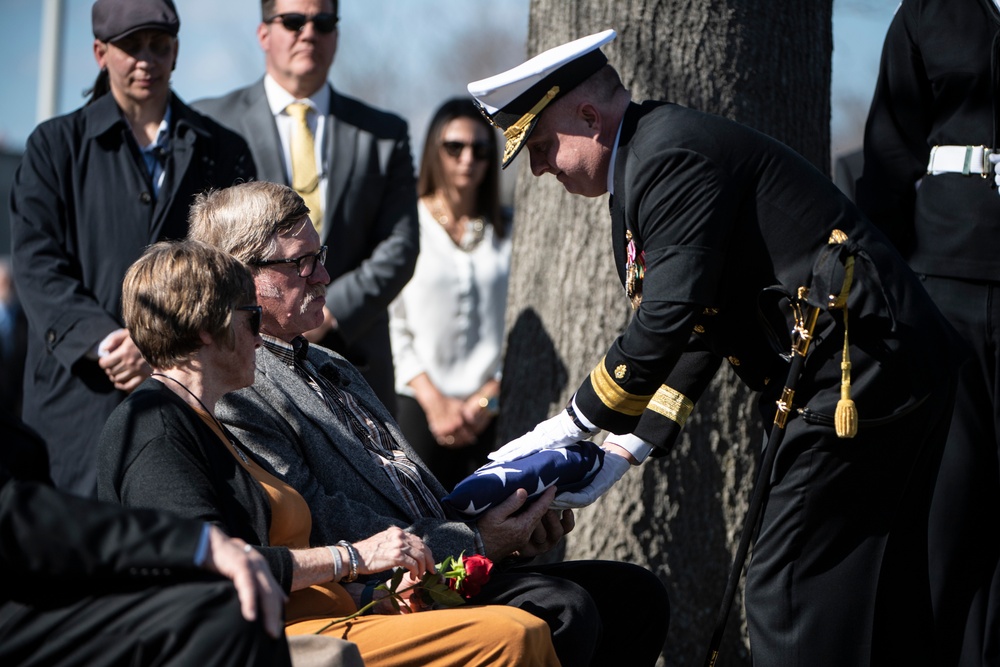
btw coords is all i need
(734, 361)
(699, 329)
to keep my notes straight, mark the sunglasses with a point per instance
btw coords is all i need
(304, 265)
(480, 149)
(324, 22)
(256, 314)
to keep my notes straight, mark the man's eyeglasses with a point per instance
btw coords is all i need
(324, 22)
(480, 149)
(256, 314)
(305, 265)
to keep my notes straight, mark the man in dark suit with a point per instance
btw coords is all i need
(708, 218)
(89, 583)
(359, 186)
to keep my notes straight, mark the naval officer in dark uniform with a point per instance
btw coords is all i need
(712, 223)
(927, 182)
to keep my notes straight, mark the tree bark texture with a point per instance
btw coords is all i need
(767, 66)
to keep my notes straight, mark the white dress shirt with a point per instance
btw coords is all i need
(448, 321)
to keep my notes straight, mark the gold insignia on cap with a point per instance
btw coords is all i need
(620, 371)
(613, 396)
(672, 404)
(515, 134)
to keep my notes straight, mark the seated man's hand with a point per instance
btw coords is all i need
(558, 431)
(506, 529)
(995, 159)
(553, 527)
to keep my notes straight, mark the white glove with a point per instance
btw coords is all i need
(558, 431)
(612, 470)
(995, 159)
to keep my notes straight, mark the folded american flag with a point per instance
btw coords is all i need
(568, 468)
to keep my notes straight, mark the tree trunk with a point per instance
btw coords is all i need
(767, 66)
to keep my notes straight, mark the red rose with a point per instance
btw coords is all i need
(477, 573)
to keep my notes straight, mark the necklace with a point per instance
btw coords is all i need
(207, 411)
(471, 234)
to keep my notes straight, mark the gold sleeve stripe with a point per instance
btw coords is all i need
(613, 396)
(672, 404)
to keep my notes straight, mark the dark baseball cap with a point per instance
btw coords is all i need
(114, 19)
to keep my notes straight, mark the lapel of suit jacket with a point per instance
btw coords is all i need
(262, 135)
(341, 148)
(331, 432)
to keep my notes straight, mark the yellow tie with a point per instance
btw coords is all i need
(305, 180)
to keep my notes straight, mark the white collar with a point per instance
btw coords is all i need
(278, 98)
(614, 156)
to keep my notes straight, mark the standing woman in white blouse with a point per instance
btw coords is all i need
(447, 324)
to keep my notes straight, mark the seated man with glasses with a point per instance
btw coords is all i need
(315, 424)
(359, 186)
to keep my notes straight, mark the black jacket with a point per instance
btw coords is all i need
(721, 213)
(938, 85)
(81, 212)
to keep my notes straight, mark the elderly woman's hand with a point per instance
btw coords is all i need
(394, 547)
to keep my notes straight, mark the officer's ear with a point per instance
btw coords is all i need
(589, 114)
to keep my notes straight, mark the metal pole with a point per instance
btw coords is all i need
(49, 59)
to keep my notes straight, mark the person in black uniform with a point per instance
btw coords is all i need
(932, 123)
(709, 217)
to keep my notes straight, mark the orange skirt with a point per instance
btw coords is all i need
(494, 636)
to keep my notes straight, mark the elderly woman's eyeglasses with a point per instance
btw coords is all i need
(480, 149)
(324, 22)
(305, 265)
(256, 314)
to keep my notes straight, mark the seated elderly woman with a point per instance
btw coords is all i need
(192, 312)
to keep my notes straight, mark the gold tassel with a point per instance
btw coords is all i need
(846, 417)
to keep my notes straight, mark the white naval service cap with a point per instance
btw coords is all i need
(513, 100)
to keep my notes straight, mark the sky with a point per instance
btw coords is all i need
(445, 43)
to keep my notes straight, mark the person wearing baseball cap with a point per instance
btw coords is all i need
(708, 217)
(94, 188)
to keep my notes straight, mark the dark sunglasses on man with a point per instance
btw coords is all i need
(324, 22)
(480, 149)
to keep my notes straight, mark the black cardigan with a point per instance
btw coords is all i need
(155, 451)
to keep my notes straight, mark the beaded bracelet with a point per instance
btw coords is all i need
(353, 554)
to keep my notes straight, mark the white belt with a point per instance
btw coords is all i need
(960, 160)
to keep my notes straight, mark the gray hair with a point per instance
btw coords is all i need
(245, 219)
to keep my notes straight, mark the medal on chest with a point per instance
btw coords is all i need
(635, 270)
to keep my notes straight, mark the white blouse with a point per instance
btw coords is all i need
(448, 321)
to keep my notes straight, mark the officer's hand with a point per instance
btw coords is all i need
(559, 431)
(611, 471)
(995, 159)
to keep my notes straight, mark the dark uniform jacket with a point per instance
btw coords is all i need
(82, 211)
(938, 84)
(719, 213)
(369, 216)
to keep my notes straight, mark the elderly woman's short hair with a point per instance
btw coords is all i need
(245, 219)
(177, 290)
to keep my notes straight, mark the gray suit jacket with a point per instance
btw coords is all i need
(295, 435)
(369, 218)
